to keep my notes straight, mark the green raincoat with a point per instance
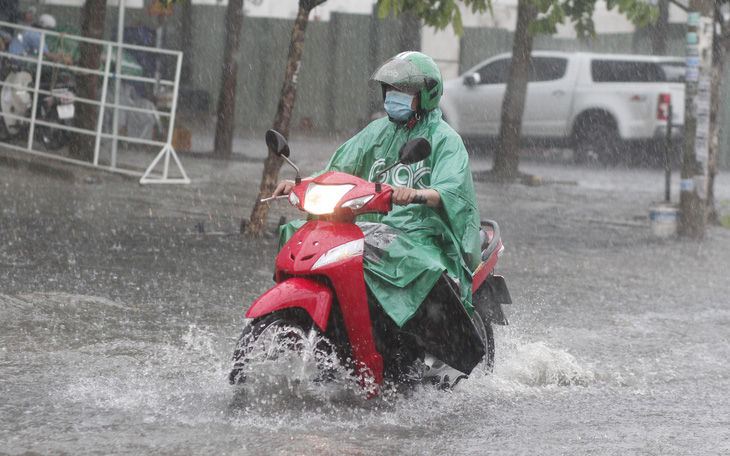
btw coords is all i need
(433, 240)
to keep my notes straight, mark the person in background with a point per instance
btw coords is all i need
(28, 18)
(28, 42)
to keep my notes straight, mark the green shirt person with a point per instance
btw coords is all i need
(440, 237)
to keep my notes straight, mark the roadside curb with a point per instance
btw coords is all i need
(10, 159)
(54, 168)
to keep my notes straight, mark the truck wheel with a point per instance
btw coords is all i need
(598, 143)
(479, 147)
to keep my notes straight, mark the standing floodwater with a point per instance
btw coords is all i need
(118, 317)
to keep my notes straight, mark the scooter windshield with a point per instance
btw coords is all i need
(322, 199)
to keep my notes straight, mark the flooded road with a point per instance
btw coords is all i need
(118, 317)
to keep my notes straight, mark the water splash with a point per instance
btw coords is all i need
(154, 381)
(278, 370)
(538, 365)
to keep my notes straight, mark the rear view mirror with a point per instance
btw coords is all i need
(276, 143)
(470, 80)
(414, 151)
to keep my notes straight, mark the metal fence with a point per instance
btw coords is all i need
(119, 75)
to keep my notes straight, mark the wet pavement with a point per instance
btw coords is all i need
(120, 305)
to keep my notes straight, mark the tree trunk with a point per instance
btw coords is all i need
(223, 143)
(81, 146)
(282, 121)
(187, 43)
(506, 156)
(719, 57)
(692, 204)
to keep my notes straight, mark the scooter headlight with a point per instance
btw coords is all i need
(322, 199)
(357, 203)
(341, 252)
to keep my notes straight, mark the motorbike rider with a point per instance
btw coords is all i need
(28, 42)
(431, 249)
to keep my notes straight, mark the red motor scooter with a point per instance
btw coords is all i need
(321, 292)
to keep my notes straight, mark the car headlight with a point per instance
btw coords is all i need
(322, 199)
(341, 252)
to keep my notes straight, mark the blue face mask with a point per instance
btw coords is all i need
(398, 105)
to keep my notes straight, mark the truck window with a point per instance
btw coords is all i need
(626, 71)
(496, 72)
(673, 71)
(547, 68)
(541, 69)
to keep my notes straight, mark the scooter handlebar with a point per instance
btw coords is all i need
(271, 198)
(418, 199)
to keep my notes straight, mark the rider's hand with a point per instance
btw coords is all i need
(283, 188)
(403, 195)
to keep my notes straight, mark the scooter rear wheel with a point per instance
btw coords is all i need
(484, 328)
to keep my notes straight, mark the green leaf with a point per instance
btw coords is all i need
(457, 24)
(440, 13)
(384, 7)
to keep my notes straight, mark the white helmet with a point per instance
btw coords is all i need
(47, 21)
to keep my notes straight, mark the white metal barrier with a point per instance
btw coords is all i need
(167, 153)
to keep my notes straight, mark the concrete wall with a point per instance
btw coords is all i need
(338, 58)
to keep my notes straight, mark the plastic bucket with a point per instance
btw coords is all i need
(663, 219)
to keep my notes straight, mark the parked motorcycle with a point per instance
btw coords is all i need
(56, 106)
(321, 294)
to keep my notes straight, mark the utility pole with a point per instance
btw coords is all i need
(693, 186)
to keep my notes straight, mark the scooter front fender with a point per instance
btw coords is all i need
(308, 294)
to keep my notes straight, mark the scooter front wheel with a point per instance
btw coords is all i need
(265, 339)
(279, 335)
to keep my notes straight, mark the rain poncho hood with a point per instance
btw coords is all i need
(432, 241)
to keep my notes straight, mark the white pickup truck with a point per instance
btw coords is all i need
(605, 106)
